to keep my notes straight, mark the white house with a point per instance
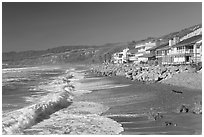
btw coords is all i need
(143, 49)
(121, 57)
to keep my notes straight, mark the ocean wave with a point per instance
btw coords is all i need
(95, 78)
(55, 85)
(9, 105)
(124, 115)
(32, 99)
(6, 81)
(97, 85)
(7, 70)
(57, 98)
(14, 122)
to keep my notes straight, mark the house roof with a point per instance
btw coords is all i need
(164, 48)
(133, 51)
(148, 55)
(158, 46)
(189, 41)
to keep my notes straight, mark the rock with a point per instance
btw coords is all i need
(134, 77)
(155, 116)
(129, 73)
(159, 78)
(177, 69)
(156, 77)
(183, 109)
(197, 108)
(163, 70)
(158, 116)
(167, 123)
(177, 92)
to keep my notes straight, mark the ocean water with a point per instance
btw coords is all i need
(21, 85)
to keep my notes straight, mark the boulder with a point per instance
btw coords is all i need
(197, 108)
(183, 109)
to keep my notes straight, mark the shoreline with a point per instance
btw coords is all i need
(113, 104)
(40, 118)
(80, 117)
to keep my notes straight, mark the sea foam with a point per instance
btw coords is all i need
(57, 98)
(18, 120)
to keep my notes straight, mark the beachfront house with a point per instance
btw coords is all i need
(121, 57)
(153, 55)
(180, 52)
(188, 50)
(164, 52)
(132, 55)
(143, 53)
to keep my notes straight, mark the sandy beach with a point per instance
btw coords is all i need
(149, 108)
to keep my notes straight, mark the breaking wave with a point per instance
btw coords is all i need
(18, 120)
(57, 98)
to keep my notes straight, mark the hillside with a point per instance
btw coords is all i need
(63, 54)
(80, 53)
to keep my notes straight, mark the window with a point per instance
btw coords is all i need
(120, 55)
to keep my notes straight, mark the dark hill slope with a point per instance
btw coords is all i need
(64, 54)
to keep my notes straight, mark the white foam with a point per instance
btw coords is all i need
(7, 70)
(6, 81)
(18, 120)
(97, 85)
(57, 98)
(9, 105)
(124, 115)
(95, 78)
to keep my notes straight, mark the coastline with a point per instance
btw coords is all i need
(80, 117)
(92, 104)
(72, 117)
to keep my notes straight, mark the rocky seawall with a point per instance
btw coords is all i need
(144, 73)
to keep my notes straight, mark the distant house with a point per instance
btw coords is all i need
(144, 53)
(121, 57)
(155, 52)
(132, 55)
(163, 54)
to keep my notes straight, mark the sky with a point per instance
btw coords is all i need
(39, 26)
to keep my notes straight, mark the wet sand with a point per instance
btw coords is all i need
(137, 105)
